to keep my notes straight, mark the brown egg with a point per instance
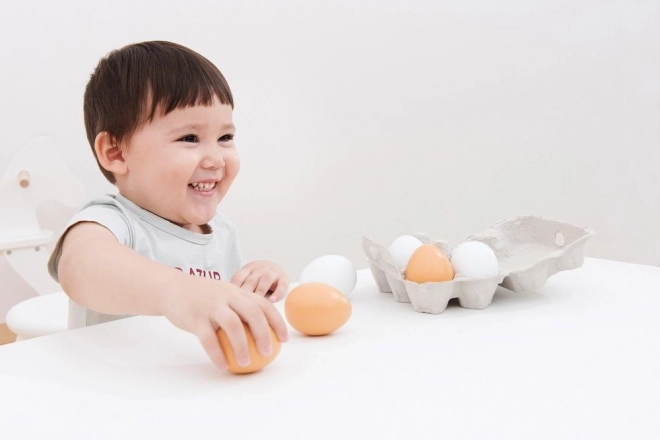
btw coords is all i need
(316, 309)
(257, 360)
(428, 264)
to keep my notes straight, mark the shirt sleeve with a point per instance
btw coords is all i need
(107, 216)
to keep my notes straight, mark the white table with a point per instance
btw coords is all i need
(579, 358)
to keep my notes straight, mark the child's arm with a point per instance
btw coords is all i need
(100, 273)
(262, 277)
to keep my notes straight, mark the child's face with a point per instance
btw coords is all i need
(181, 165)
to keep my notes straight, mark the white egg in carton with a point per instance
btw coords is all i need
(529, 249)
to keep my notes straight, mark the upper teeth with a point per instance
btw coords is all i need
(203, 186)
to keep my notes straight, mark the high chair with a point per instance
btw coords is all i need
(34, 175)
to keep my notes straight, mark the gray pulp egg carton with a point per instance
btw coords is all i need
(529, 249)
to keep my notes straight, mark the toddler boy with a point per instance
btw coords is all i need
(158, 117)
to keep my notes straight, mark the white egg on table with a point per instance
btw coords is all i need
(334, 270)
(402, 248)
(474, 259)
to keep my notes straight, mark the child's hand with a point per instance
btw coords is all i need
(206, 305)
(262, 277)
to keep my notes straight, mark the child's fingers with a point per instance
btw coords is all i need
(251, 282)
(274, 318)
(280, 290)
(255, 318)
(266, 281)
(239, 277)
(232, 325)
(209, 340)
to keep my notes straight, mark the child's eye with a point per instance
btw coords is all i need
(189, 138)
(226, 138)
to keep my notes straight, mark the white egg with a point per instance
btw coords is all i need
(474, 259)
(335, 270)
(402, 248)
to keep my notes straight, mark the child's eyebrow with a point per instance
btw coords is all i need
(199, 127)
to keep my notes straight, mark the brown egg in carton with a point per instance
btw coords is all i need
(529, 249)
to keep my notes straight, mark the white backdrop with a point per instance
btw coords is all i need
(380, 118)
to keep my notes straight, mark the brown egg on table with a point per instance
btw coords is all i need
(316, 309)
(257, 360)
(428, 264)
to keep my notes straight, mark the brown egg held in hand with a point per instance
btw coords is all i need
(257, 360)
(316, 309)
(428, 264)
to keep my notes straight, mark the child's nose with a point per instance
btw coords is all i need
(213, 157)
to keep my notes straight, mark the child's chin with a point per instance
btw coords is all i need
(202, 220)
(205, 219)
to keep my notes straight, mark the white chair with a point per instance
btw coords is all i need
(34, 175)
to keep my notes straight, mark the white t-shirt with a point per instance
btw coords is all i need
(214, 255)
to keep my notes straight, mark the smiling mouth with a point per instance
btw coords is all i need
(202, 186)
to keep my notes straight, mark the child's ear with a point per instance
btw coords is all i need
(109, 154)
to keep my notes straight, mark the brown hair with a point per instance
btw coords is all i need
(131, 83)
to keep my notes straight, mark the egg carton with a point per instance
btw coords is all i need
(529, 249)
